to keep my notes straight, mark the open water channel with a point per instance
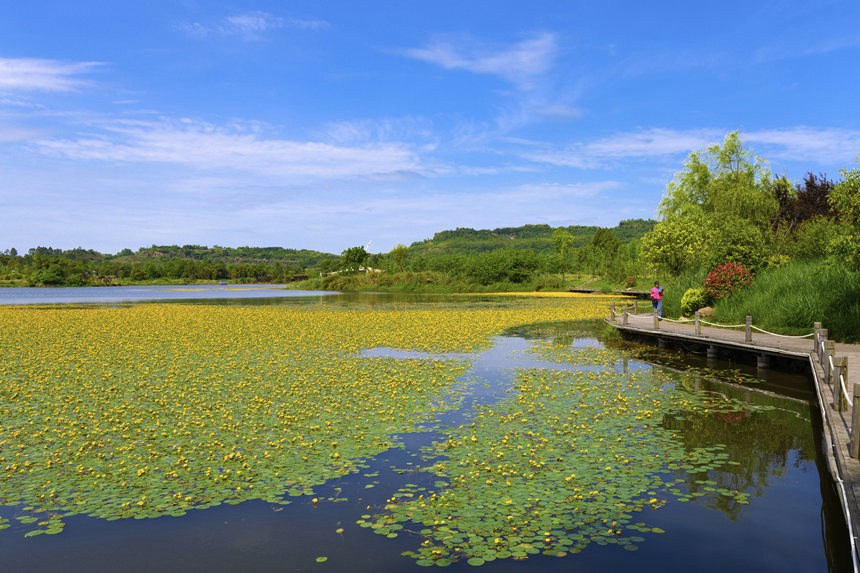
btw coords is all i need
(782, 514)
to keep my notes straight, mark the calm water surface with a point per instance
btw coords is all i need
(126, 294)
(793, 521)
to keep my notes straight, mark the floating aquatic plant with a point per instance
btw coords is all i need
(154, 410)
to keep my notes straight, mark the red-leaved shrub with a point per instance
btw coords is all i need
(726, 279)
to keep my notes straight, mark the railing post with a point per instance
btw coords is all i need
(697, 324)
(854, 446)
(822, 338)
(816, 332)
(840, 369)
(748, 335)
(829, 349)
(635, 307)
(612, 310)
(656, 321)
(624, 317)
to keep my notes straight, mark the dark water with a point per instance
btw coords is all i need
(793, 522)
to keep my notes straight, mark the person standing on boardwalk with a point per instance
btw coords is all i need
(657, 298)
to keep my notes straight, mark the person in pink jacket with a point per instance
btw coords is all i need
(657, 298)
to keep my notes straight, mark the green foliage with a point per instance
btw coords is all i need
(724, 179)
(605, 241)
(46, 266)
(397, 256)
(790, 299)
(735, 240)
(676, 244)
(845, 200)
(692, 300)
(674, 288)
(813, 238)
(534, 237)
(716, 209)
(353, 259)
(505, 265)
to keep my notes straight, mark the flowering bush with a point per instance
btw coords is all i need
(726, 279)
(693, 300)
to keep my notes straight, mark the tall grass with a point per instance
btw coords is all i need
(790, 299)
(675, 287)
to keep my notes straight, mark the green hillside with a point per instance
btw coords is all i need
(538, 238)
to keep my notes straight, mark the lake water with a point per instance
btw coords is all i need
(792, 521)
(128, 294)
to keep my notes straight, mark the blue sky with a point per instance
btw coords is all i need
(329, 124)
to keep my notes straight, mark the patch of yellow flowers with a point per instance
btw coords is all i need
(155, 409)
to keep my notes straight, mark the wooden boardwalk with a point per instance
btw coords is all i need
(837, 413)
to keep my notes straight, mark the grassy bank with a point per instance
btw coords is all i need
(787, 300)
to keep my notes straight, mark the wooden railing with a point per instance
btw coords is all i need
(836, 376)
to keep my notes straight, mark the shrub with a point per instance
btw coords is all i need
(693, 300)
(726, 279)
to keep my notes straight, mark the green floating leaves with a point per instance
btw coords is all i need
(564, 462)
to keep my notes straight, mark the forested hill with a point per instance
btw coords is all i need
(216, 254)
(537, 238)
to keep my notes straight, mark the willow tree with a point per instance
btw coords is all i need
(722, 196)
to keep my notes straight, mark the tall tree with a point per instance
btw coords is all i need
(718, 207)
(562, 240)
(398, 257)
(723, 179)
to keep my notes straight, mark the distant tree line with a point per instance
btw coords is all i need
(46, 266)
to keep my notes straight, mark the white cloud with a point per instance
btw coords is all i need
(237, 149)
(822, 145)
(250, 25)
(32, 74)
(522, 64)
(801, 144)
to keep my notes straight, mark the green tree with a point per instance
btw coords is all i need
(845, 200)
(724, 179)
(719, 208)
(398, 257)
(562, 241)
(676, 244)
(353, 259)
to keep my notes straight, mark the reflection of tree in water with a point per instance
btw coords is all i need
(561, 334)
(761, 443)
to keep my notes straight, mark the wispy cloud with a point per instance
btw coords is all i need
(250, 26)
(32, 74)
(641, 144)
(822, 145)
(808, 145)
(521, 64)
(238, 149)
